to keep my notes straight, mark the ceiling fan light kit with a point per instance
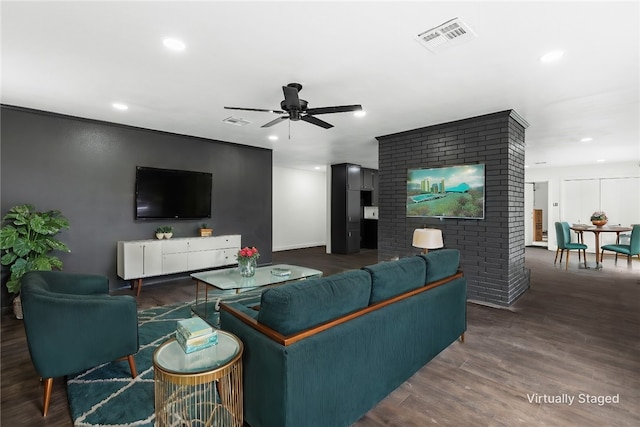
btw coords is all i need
(296, 109)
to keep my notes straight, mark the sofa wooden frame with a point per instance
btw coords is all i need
(298, 336)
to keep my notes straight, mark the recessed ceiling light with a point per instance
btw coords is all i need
(360, 113)
(586, 139)
(318, 168)
(273, 137)
(174, 44)
(526, 166)
(119, 106)
(552, 56)
(600, 160)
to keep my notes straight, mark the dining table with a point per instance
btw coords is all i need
(581, 228)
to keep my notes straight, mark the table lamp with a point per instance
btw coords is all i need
(427, 238)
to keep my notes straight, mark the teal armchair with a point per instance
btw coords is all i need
(630, 250)
(563, 236)
(73, 324)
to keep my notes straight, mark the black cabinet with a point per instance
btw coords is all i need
(346, 212)
(369, 234)
(352, 188)
(369, 181)
(368, 177)
(354, 176)
(376, 189)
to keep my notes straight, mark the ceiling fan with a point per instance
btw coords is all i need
(296, 108)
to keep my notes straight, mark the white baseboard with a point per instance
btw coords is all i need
(298, 246)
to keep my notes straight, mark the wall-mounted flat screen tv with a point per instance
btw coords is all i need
(446, 192)
(172, 194)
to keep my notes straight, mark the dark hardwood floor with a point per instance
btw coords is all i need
(574, 333)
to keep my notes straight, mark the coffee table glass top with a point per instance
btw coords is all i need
(229, 278)
(171, 358)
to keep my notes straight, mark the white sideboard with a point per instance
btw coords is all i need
(138, 259)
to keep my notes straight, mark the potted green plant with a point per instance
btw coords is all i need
(164, 232)
(26, 240)
(599, 218)
(160, 233)
(205, 231)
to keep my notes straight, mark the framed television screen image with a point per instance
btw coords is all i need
(446, 192)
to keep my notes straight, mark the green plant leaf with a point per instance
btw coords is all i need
(13, 285)
(19, 214)
(22, 247)
(57, 221)
(55, 263)
(18, 268)
(8, 236)
(56, 245)
(39, 246)
(42, 263)
(8, 258)
(39, 225)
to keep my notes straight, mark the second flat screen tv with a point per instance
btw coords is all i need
(447, 192)
(172, 194)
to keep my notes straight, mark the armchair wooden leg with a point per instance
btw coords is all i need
(48, 385)
(584, 255)
(132, 366)
(556, 258)
(462, 337)
(568, 252)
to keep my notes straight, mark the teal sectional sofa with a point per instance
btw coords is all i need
(322, 352)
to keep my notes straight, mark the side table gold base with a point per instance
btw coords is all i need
(208, 398)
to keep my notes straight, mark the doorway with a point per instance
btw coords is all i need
(536, 202)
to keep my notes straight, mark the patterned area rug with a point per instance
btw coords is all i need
(107, 396)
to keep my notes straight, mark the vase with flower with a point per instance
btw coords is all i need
(247, 261)
(599, 218)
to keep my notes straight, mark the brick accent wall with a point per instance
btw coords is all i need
(492, 249)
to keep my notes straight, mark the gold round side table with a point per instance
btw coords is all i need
(202, 388)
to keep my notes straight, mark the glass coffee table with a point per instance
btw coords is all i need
(228, 280)
(199, 388)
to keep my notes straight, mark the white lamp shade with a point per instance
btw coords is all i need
(427, 238)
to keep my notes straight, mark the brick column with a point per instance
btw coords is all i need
(492, 249)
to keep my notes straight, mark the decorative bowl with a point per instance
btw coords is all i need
(599, 222)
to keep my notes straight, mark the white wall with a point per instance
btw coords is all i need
(557, 176)
(299, 208)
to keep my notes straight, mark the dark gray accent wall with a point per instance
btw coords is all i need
(87, 168)
(492, 249)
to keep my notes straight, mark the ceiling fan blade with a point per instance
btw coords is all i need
(291, 98)
(255, 109)
(316, 121)
(336, 109)
(275, 121)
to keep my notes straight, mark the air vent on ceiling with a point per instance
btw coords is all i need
(236, 121)
(449, 34)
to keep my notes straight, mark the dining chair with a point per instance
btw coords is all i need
(633, 248)
(563, 236)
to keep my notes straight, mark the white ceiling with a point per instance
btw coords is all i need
(78, 58)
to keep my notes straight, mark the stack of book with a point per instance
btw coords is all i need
(195, 334)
